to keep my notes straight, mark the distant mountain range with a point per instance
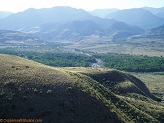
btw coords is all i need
(66, 23)
(77, 30)
(154, 10)
(139, 17)
(34, 17)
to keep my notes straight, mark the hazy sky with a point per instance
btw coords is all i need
(20, 5)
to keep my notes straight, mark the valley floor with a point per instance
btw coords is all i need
(154, 81)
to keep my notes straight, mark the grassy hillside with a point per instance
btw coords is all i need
(73, 95)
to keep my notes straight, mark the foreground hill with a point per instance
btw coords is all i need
(32, 90)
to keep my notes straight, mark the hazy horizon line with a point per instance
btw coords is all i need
(78, 8)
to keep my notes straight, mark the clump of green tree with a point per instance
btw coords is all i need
(132, 63)
(63, 59)
(58, 59)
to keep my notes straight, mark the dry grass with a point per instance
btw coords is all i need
(123, 48)
(154, 81)
(26, 69)
(32, 90)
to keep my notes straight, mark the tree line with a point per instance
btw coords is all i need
(132, 63)
(126, 62)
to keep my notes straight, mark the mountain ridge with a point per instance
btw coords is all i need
(4, 14)
(34, 17)
(155, 33)
(8, 37)
(137, 16)
(80, 29)
(102, 12)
